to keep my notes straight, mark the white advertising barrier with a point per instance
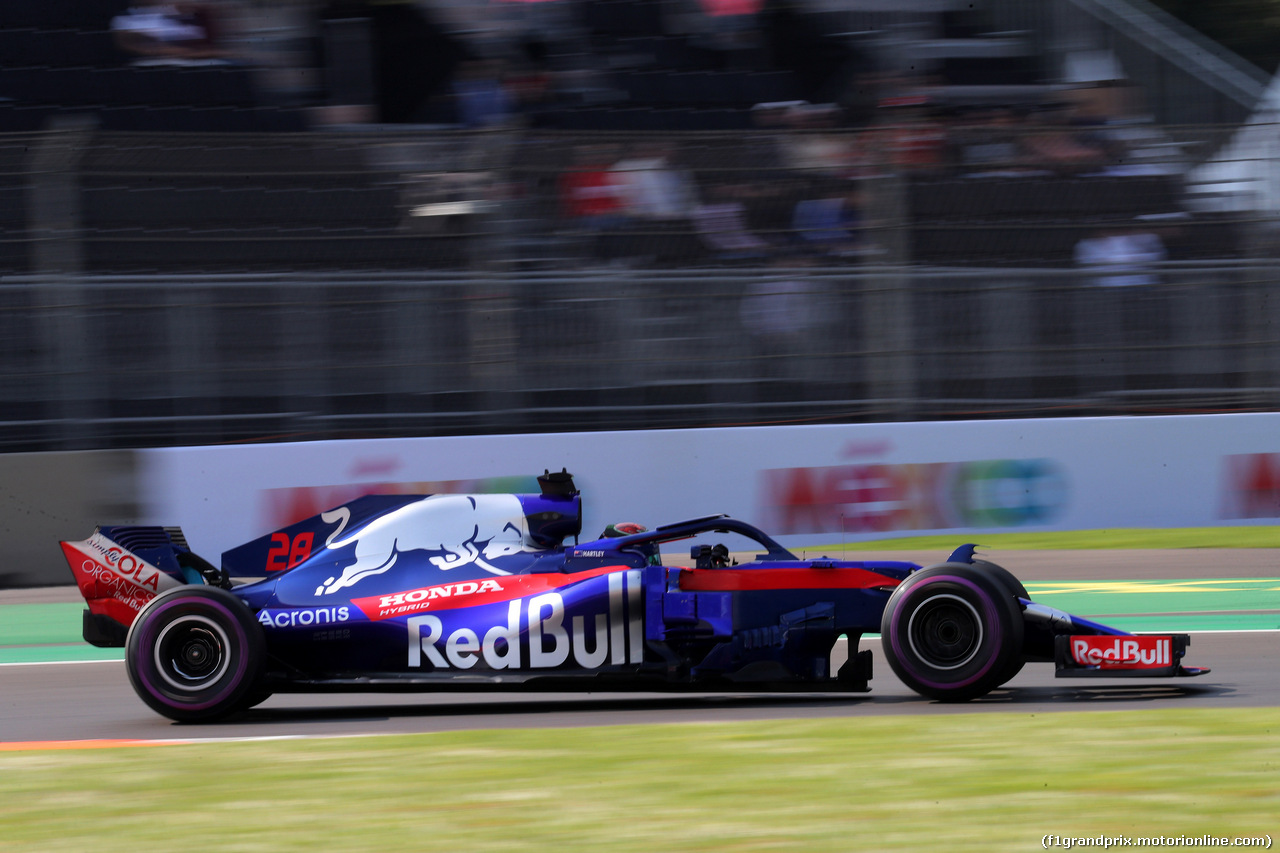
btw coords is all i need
(805, 484)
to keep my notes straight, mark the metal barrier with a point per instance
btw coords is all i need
(139, 361)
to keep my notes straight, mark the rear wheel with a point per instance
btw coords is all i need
(952, 632)
(195, 653)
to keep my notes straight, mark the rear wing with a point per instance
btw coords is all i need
(120, 568)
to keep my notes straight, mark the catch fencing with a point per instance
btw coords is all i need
(159, 289)
(128, 361)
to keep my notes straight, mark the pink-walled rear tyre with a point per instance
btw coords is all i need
(195, 653)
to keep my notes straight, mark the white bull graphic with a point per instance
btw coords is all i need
(466, 528)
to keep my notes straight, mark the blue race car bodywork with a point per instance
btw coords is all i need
(481, 592)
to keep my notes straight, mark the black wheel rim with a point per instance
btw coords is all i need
(191, 653)
(945, 632)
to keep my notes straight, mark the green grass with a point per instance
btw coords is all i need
(980, 781)
(1183, 537)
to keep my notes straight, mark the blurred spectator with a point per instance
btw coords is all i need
(1121, 257)
(651, 187)
(1103, 102)
(732, 29)
(160, 33)
(722, 226)
(1053, 143)
(1124, 306)
(590, 196)
(833, 226)
(784, 318)
(590, 201)
(731, 8)
(762, 153)
(481, 94)
(785, 306)
(916, 137)
(1107, 115)
(988, 143)
(817, 145)
(530, 81)
(770, 120)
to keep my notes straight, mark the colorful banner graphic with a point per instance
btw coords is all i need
(877, 498)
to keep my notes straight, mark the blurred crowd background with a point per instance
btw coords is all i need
(235, 220)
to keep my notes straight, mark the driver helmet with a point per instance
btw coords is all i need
(623, 528)
(629, 528)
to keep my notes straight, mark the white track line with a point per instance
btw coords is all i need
(57, 662)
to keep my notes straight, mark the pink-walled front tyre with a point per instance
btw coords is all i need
(195, 653)
(952, 632)
(1014, 587)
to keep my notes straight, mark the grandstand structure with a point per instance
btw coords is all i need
(58, 58)
(287, 245)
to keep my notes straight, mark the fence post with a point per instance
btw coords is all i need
(1262, 319)
(192, 354)
(886, 321)
(1008, 321)
(493, 341)
(57, 258)
(303, 367)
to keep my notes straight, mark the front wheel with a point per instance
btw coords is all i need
(1014, 587)
(952, 632)
(194, 653)
(1016, 590)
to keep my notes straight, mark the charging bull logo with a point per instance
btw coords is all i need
(461, 530)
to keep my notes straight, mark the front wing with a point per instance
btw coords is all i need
(1087, 649)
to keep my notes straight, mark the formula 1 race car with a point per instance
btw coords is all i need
(481, 592)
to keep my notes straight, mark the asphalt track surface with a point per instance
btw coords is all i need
(93, 700)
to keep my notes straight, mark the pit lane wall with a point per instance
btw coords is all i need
(804, 484)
